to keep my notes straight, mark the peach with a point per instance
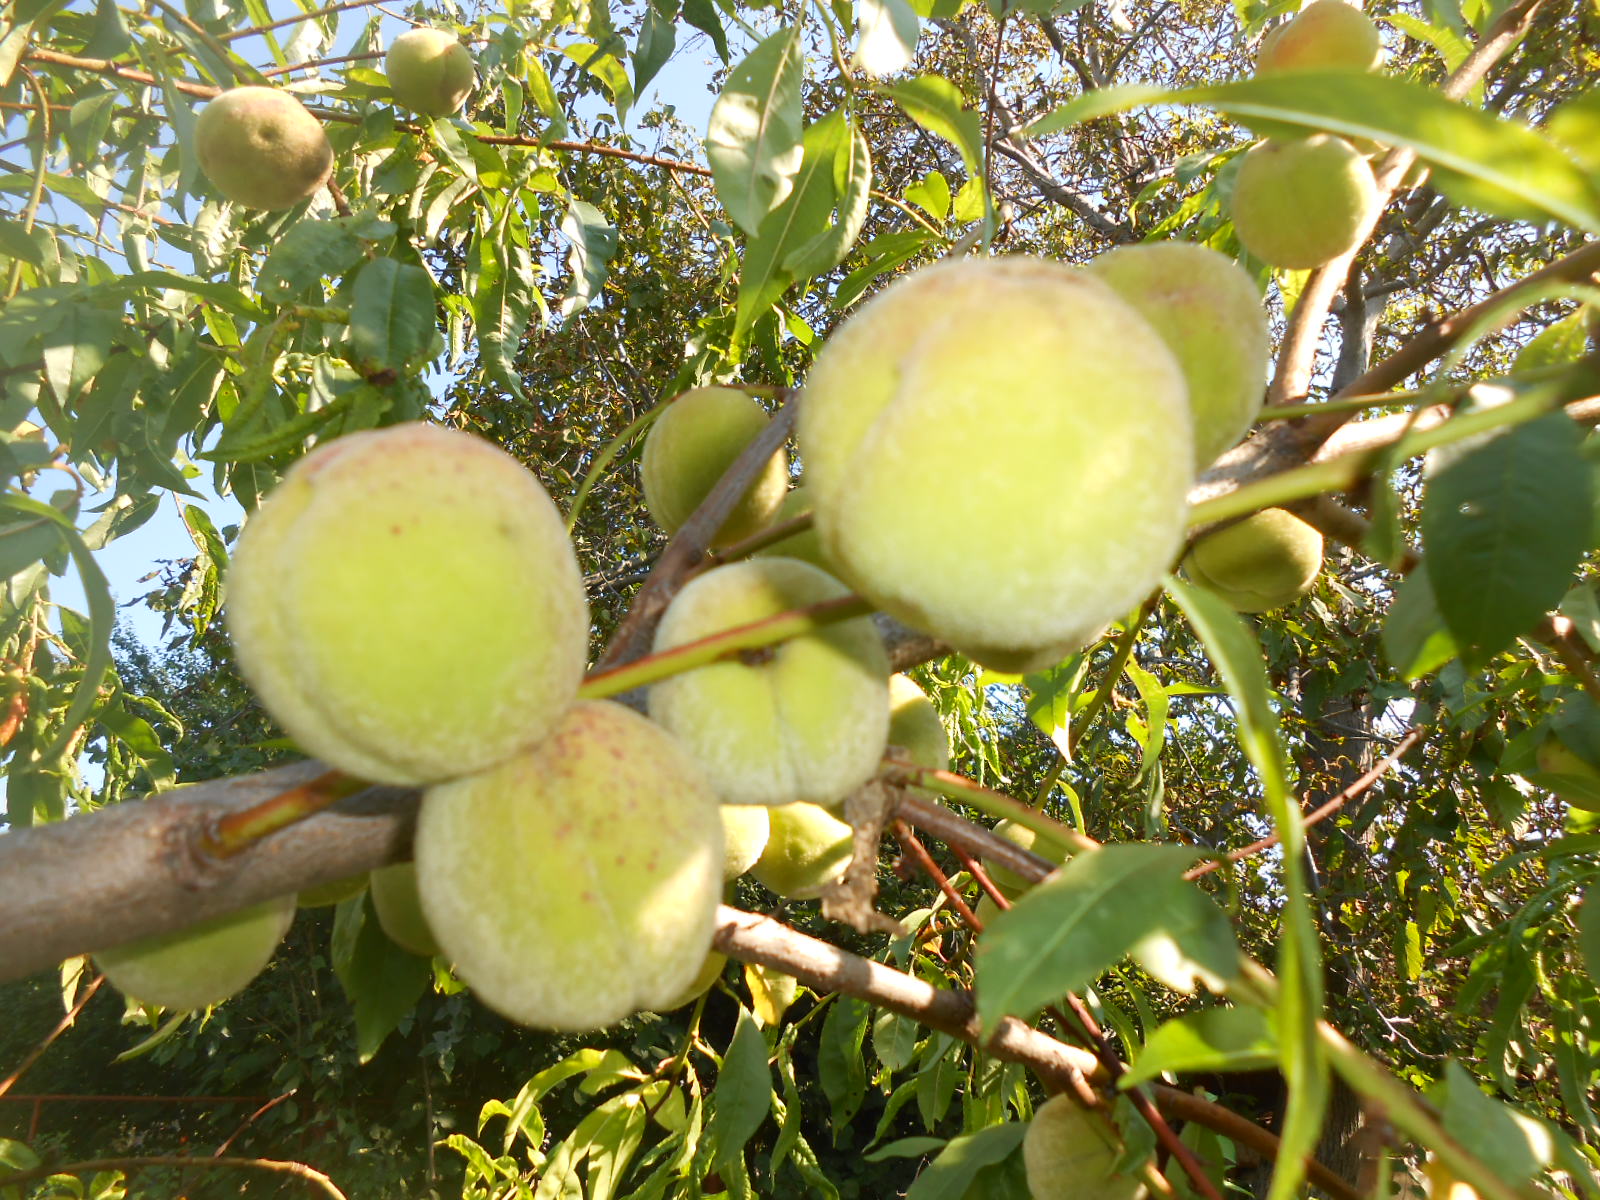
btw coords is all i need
(805, 719)
(429, 71)
(578, 882)
(201, 965)
(261, 148)
(983, 466)
(407, 605)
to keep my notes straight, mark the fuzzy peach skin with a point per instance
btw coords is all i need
(914, 724)
(201, 965)
(692, 443)
(429, 71)
(1070, 1151)
(1326, 35)
(407, 605)
(1300, 202)
(262, 148)
(998, 452)
(1207, 309)
(806, 719)
(1269, 559)
(576, 883)
(809, 849)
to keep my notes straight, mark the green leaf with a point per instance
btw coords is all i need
(102, 618)
(937, 105)
(852, 182)
(77, 347)
(906, 1147)
(593, 242)
(841, 1069)
(1217, 1039)
(603, 65)
(17, 1156)
(802, 216)
(502, 304)
(1589, 929)
(1565, 341)
(1064, 932)
(754, 144)
(743, 1095)
(1499, 166)
(382, 981)
(948, 1175)
(657, 38)
(1237, 656)
(393, 323)
(308, 252)
(1512, 1144)
(1500, 554)
(894, 1040)
(931, 194)
(887, 36)
(1415, 640)
(702, 14)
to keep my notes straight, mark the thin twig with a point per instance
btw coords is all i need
(65, 1024)
(1323, 811)
(184, 1162)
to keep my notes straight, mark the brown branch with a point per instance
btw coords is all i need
(1321, 813)
(824, 967)
(689, 545)
(298, 18)
(1178, 1103)
(318, 1181)
(205, 91)
(62, 1026)
(251, 1120)
(918, 851)
(1297, 357)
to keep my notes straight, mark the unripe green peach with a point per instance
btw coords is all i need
(983, 468)
(201, 965)
(1299, 203)
(692, 443)
(1207, 309)
(578, 882)
(260, 148)
(805, 719)
(1265, 561)
(326, 895)
(809, 849)
(1326, 35)
(805, 545)
(1571, 778)
(710, 972)
(1011, 884)
(771, 992)
(914, 724)
(407, 605)
(429, 71)
(1069, 1151)
(399, 908)
(745, 828)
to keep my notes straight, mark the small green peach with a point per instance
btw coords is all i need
(805, 545)
(429, 71)
(578, 882)
(806, 719)
(201, 965)
(399, 907)
(1326, 35)
(261, 148)
(1269, 559)
(809, 849)
(1069, 1151)
(1011, 884)
(745, 828)
(983, 469)
(914, 724)
(690, 446)
(407, 605)
(1301, 202)
(326, 895)
(1207, 309)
